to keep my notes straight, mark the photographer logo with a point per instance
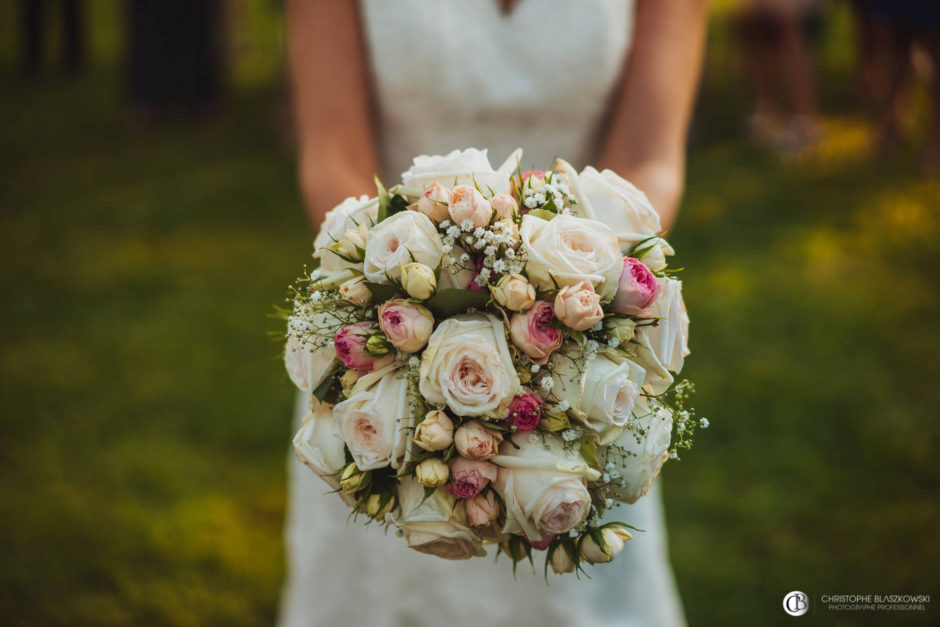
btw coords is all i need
(796, 603)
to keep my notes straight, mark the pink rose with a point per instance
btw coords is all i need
(579, 306)
(466, 203)
(525, 411)
(351, 347)
(407, 325)
(505, 206)
(482, 509)
(637, 289)
(533, 332)
(542, 543)
(470, 476)
(434, 201)
(475, 441)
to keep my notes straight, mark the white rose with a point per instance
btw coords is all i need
(319, 446)
(467, 366)
(349, 214)
(307, 365)
(436, 525)
(375, 419)
(619, 204)
(669, 338)
(645, 454)
(466, 167)
(653, 253)
(601, 391)
(407, 236)
(544, 489)
(567, 250)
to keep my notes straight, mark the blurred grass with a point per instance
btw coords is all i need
(145, 419)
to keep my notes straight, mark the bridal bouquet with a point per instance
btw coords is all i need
(489, 356)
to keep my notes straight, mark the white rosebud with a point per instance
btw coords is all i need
(356, 292)
(514, 292)
(560, 561)
(653, 253)
(373, 506)
(432, 472)
(436, 431)
(612, 539)
(418, 280)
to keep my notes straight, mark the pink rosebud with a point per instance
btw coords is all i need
(466, 203)
(525, 411)
(475, 441)
(407, 325)
(533, 332)
(351, 347)
(470, 476)
(505, 206)
(434, 201)
(579, 306)
(542, 543)
(482, 509)
(637, 289)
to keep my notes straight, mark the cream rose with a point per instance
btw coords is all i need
(645, 454)
(619, 204)
(545, 490)
(467, 366)
(306, 364)
(319, 446)
(406, 237)
(466, 167)
(375, 419)
(670, 336)
(567, 250)
(601, 392)
(436, 525)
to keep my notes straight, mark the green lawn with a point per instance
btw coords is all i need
(144, 422)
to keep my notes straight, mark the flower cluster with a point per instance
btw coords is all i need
(490, 357)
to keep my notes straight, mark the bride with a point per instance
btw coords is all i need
(608, 82)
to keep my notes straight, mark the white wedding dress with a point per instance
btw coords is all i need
(456, 74)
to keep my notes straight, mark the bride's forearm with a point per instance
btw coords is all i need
(646, 139)
(337, 156)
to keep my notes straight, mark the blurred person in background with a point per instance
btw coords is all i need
(903, 37)
(33, 15)
(778, 66)
(608, 82)
(174, 56)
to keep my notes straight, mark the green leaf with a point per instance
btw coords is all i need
(382, 292)
(542, 213)
(397, 204)
(449, 302)
(384, 199)
(322, 391)
(589, 452)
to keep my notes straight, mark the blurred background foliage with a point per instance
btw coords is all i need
(145, 418)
